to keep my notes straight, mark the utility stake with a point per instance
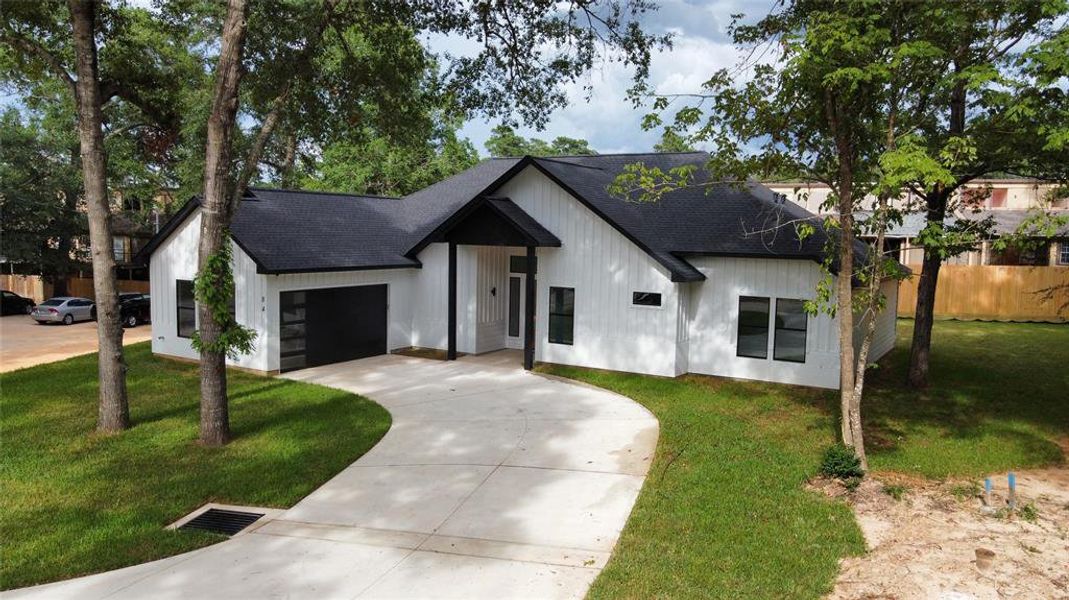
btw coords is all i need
(987, 491)
(1013, 490)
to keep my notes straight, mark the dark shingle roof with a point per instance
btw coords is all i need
(294, 231)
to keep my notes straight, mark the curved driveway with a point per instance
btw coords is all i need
(491, 483)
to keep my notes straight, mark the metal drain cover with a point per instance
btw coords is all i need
(219, 520)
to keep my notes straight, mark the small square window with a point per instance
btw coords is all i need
(645, 299)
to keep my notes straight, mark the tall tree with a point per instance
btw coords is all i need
(110, 67)
(504, 141)
(324, 57)
(114, 413)
(816, 109)
(994, 101)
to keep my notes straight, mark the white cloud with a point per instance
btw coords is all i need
(608, 120)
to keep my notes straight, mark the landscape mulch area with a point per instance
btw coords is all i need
(925, 544)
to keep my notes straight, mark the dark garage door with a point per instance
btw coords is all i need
(318, 327)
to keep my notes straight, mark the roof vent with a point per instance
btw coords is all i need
(218, 520)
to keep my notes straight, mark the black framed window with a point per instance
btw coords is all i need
(753, 327)
(514, 306)
(791, 324)
(187, 307)
(561, 315)
(645, 299)
(518, 264)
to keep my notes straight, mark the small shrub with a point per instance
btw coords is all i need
(841, 462)
(963, 491)
(852, 483)
(895, 491)
(1028, 512)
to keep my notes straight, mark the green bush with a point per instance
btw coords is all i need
(841, 462)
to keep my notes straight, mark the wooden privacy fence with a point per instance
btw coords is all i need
(33, 286)
(994, 293)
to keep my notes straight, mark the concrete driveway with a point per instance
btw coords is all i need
(492, 483)
(24, 343)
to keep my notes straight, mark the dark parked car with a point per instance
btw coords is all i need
(14, 304)
(134, 309)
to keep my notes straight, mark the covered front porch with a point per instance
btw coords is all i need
(506, 271)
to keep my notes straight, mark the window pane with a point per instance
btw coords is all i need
(187, 308)
(791, 324)
(753, 327)
(645, 299)
(514, 306)
(561, 315)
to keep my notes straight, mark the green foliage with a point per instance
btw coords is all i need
(841, 462)
(214, 288)
(966, 490)
(1028, 512)
(895, 490)
(75, 504)
(504, 141)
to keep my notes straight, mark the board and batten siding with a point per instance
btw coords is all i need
(175, 259)
(714, 320)
(604, 268)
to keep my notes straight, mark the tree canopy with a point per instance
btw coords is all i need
(504, 141)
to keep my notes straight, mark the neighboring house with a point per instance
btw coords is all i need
(1007, 201)
(526, 253)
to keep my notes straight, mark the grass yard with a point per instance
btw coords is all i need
(724, 513)
(75, 503)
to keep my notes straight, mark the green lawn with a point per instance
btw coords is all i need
(75, 503)
(724, 513)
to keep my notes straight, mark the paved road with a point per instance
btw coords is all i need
(492, 483)
(24, 343)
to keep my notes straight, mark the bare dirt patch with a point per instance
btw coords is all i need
(925, 544)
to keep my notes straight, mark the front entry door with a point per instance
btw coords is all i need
(514, 324)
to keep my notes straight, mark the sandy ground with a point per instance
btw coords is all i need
(24, 343)
(924, 545)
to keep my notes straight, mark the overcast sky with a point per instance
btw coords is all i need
(608, 120)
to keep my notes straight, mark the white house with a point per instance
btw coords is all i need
(526, 253)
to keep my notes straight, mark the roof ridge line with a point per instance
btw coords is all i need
(325, 193)
(570, 164)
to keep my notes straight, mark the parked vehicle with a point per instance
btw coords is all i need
(14, 304)
(134, 309)
(64, 309)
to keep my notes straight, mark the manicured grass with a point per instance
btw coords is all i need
(724, 512)
(75, 503)
(998, 400)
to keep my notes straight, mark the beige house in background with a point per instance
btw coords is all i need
(1008, 201)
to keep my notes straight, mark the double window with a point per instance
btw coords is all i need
(790, 329)
(561, 315)
(187, 307)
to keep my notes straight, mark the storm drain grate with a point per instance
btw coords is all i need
(223, 521)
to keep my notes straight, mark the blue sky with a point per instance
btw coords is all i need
(608, 120)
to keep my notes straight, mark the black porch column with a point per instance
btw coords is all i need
(451, 353)
(529, 312)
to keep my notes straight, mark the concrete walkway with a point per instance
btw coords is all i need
(492, 483)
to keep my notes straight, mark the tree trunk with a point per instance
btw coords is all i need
(114, 413)
(844, 299)
(924, 313)
(215, 212)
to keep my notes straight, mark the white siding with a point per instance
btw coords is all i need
(883, 340)
(491, 302)
(430, 298)
(257, 297)
(714, 316)
(176, 259)
(605, 268)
